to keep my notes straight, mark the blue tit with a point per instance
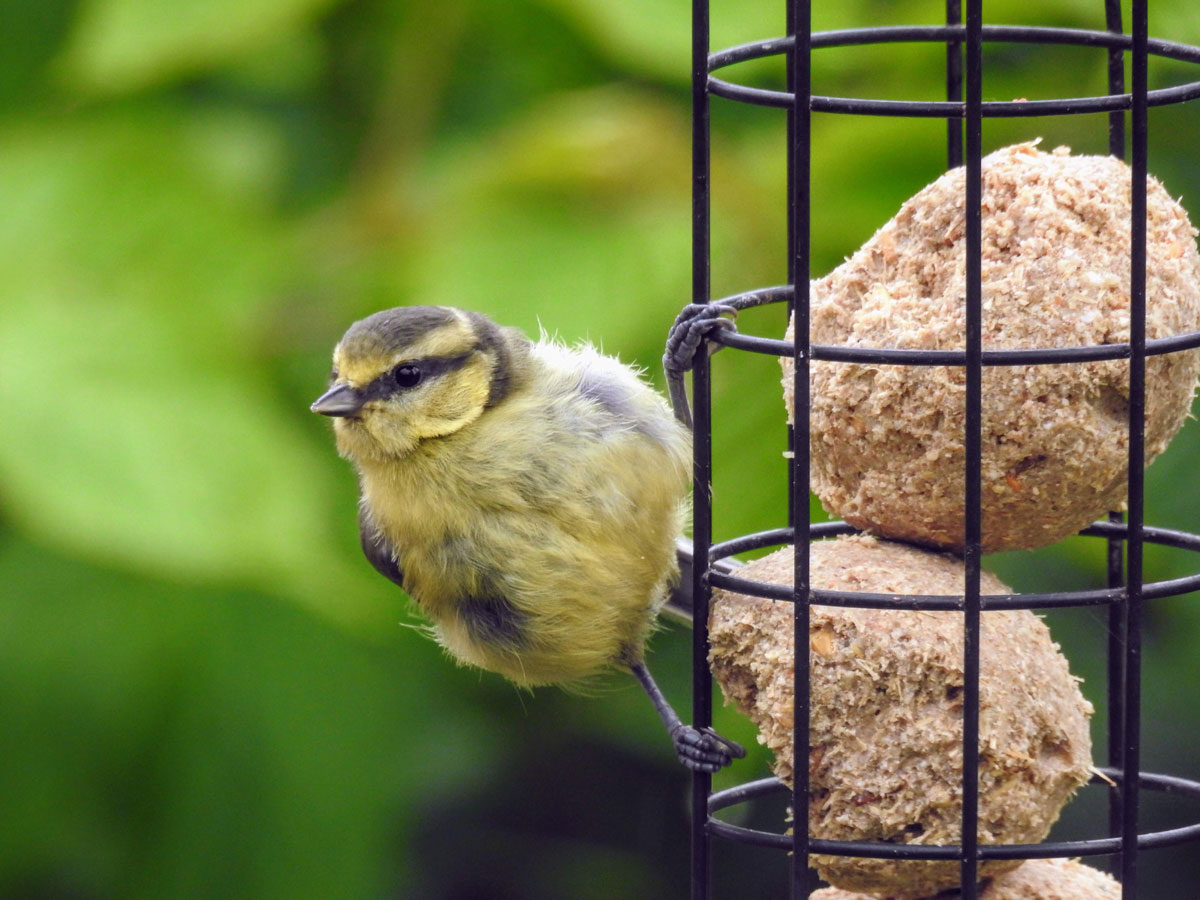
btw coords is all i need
(527, 496)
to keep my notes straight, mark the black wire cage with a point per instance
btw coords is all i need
(964, 35)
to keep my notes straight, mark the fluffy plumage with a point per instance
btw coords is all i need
(526, 495)
(536, 533)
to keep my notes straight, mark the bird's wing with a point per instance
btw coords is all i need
(378, 550)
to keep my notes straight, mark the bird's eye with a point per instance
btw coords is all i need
(407, 375)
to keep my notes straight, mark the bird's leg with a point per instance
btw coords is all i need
(692, 326)
(700, 749)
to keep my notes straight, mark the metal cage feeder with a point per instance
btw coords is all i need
(964, 110)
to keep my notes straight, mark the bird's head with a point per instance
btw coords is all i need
(415, 373)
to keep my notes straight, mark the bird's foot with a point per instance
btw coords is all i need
(703, 750)
(692, 326)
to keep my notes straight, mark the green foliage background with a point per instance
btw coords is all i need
(204, 691)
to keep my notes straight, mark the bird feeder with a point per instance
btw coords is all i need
(979, 627)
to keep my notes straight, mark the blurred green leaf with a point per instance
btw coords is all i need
(197, 199)
(576, 214)
(167, 741)
(30, 34)
(653, 37)
(123, 45)
(149, 433)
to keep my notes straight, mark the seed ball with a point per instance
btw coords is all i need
(887, 441)
(1038, 879)
(887, 706)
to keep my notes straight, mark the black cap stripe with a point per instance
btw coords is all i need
(431, 367)
(491, 339)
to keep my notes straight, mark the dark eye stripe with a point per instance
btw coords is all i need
(430, 366)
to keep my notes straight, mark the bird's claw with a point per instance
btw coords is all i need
(703, 750)
(691, 327)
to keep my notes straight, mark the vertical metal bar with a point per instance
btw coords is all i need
(1116, 572)
(701, 676)
(702, 445)
(954, 86)
(1116, 79)
(1116, 676)
(973, 447)
(801, 141)
(1131, 758)
(790, 25)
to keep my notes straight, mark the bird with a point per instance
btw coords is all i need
(527, 495)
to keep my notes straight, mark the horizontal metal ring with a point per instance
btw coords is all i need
(880, 850)
(949, 602)
(947, 109)
(890, 356)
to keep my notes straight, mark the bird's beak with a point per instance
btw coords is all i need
(339, 401)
